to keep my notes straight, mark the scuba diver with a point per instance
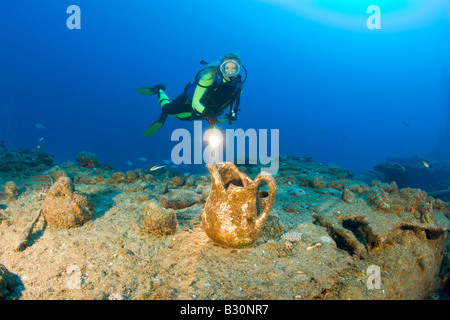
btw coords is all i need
(215, 88)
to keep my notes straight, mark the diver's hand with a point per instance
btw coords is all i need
(212, 121)
(210, 116)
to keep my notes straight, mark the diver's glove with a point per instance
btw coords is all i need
(210, 116)
(232, 116)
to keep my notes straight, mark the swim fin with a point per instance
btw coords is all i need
(149, 91)
(155, 126)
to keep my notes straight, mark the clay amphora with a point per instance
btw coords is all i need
(235, 210)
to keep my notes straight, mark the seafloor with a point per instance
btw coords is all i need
(325, 237)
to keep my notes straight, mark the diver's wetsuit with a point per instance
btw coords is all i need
(206, 96)
(205, 99)
(176, 106)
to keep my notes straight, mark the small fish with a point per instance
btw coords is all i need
(129, 163)
(406, 124)
(425, 164)
(39, 143)
(142, 159)
(167, 161)
(39, 126)
(157, 167)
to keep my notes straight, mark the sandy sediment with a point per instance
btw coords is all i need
(325, 234)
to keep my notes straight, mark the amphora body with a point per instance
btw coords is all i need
(236, 209)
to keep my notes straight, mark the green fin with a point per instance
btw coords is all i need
(155, 126)
(146, 91)
(149, 91)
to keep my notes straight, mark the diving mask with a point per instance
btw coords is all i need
(230, 68)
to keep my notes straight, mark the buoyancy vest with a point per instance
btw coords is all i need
(219, 95)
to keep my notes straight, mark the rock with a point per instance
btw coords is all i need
(441, 205)
(312, 233)
(392, 172)
(288, 246)
(347, 237)
(149, 177)
(318, 183)
(157, 220)
(63, 187)
(328, 191)
(339, 172)
(176, 182)
(412, 198)
(426, 212)
(368, 177)
(24, 159)
(132, 188)
(314, 246)
(162, 188)
(119, 177)
(292, 236)
(7, 282)
(388, 187)
(338, 185)
(116, 296)
(272, 228)
(169, 174)
(359, 189)
(144, 197)
(379, 198)
(57, 172)
(191, 180)
(99, 170)
(348, 196)
(199, 189)
(65, 208)
(206, 189)
(87, 160)
(179, 199)
(131, 176)
(297, 192)
(290, 180)
(144, 185)
(10, 189)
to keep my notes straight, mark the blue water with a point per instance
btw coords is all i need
(336, 90)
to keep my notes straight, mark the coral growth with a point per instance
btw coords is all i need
(65, 208)
(157, 220)
(10, 189)
(131, 176)
(87, 160)
(379, 198)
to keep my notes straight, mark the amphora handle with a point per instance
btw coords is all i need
(271, 198)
